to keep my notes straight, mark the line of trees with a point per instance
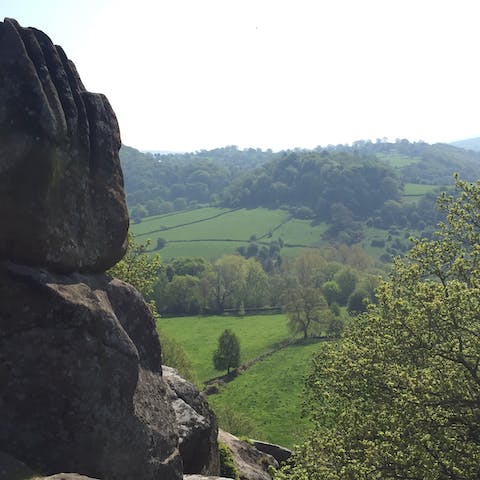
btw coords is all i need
(313, 288)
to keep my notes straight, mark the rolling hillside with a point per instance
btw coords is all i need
(211, 232)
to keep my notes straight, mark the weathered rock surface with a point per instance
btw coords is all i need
(250, 462)
(77, 393)
(197, 426)
(62, 203)
(203, 477)
(279, 453)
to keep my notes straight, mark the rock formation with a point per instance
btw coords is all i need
(250, 462)
(81, 385)
(61, 191)
(197, 426)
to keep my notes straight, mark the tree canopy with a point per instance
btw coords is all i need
(227, 355)
(399, 396)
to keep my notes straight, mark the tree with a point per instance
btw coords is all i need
(357, 301)
(183, 295)
(303, 299)
(399, 396)
(304, 306)
(256, 288)
(137, 268)
(227, 355)
(331, 290)
(229, 282)
(346, 280)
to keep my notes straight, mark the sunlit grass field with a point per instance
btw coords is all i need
(212, 232)
(199, 337)
(268, 394)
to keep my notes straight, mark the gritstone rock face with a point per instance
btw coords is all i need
(62, 203)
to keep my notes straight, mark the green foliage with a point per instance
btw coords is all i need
(136, 268)
(357, 302)
(173, 355)
(227, 355)
(310, 180)
(270, 395)
(398, 397)
(258, 334)
(303, 299)
(331, 290)
(141, 271)
(235, 422)
(228, 468)
(304, 307)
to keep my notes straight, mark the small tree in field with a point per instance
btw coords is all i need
(227, 355)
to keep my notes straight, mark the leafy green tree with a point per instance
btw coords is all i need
(357, 301)
(183, 295)
(227, 355)
(304, 307)
(137, 268)
(256, 287)
(331, 290)
(229, 282)
(399, 396)
(346, 280)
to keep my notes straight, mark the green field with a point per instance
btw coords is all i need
(199, 337)
(270, 395)
(212, 232)
(397, 160)
(418, 189)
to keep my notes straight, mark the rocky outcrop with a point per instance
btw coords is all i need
(75, 393)
(203, 477)
(279, 453)
(197, 426)
(81, 387)
(81, 382)
(62, 203)
(250, 462)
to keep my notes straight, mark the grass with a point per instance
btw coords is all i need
(270, 395)
(208, 249)
(208, 232)
(169, 220)
(300, 232)
(212, 232)
(199, 337)
(397, 160)
(418, 189)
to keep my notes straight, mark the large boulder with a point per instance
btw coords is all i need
(62, 203)
(78, 392)
(279, 453)
(250, 462)
(197, 426)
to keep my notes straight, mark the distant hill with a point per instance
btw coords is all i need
(348, 189)
(468, 144)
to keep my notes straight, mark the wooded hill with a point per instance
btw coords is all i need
(369, 184)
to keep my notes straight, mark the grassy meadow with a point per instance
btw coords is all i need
(268, 394)
(199, 337)
(212, 232)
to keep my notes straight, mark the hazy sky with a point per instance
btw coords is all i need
(186, 75)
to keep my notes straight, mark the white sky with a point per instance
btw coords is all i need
(185, 75)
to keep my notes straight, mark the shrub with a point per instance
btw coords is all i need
(227, 465)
